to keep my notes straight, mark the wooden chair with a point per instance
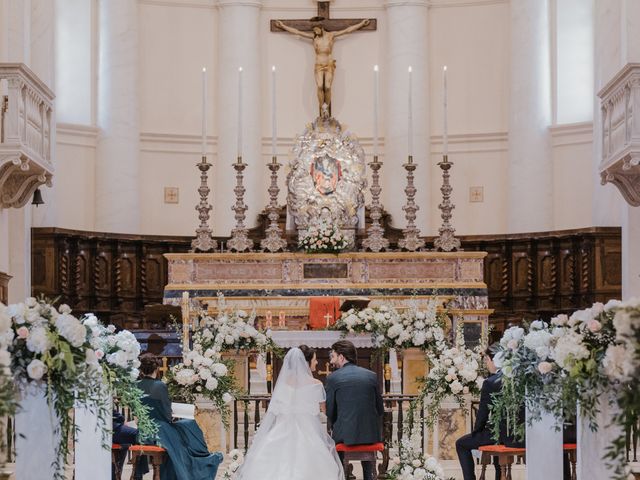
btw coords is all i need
(505, 456)
(361, 453)
(157, 456)
(115, 449)
(570, 450)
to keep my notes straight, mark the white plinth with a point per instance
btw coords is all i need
(592, 445)
(92, 460)
(544, 449)
(35, 438)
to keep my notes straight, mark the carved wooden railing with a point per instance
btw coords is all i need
(26, 127)
(527, 275)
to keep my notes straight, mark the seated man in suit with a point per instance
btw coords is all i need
(481, 433)
(125, 436)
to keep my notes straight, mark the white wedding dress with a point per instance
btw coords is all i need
(292, 443)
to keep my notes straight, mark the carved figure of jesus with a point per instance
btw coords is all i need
(325, 64)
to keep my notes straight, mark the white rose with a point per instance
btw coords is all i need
(545, 367)
(219, 369)
(212, 383)
(227, 397)
(456, 387)
(65, 309)
(36, 369)
(560, 320)
(37, 341)
(416, 463)
(611, 304)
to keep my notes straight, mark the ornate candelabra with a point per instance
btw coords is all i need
(410, 240)
(446, 241)
(239, 241)
(273, 241)
(204, 241)
(375, 240)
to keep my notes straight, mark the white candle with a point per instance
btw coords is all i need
(445, 139)
(375, 110)
(240, 112)
(410, 123)
(273, 111)
(204, 112)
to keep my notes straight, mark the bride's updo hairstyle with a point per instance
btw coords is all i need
(149, 364)
(308, 352)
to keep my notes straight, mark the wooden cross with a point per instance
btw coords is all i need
(326, 370)
(324, 20)
(328, 317)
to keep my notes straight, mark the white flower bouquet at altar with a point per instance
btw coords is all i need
(51, 347)
(412, 463)
(454, 372)
(323, 238)
(368, 320)
(117, 354)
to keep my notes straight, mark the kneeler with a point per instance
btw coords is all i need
(323, 312)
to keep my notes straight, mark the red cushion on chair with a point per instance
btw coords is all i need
(115, 446)
(501, 449)
(147, 448)
(569, 446)
(371, 447)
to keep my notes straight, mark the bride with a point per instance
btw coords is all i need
(292, 443)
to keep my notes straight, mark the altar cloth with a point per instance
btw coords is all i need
(317, 338)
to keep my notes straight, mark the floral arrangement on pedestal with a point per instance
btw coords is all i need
(412, 463)
(454, 372)
(117, 354)
(550, 367)
(7, 392)
(323, 238)
(415, 328)
(50, 347)
(621, 365)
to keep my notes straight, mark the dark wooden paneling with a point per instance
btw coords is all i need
(528, 275)
(4, 287)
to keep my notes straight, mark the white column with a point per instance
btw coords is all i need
(407, 45)
(117, 155)
(593, 445)
(530, 187)
(92, 461)
(238, 46)
(36, 424)
(43, 50)
(544, 449)
(15, 16)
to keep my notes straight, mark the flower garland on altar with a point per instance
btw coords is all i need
(323, 238)
(415, 328)
(51, 348)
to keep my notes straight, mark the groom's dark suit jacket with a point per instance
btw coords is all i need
(354, 405)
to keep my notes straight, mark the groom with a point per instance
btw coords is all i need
(354, 403)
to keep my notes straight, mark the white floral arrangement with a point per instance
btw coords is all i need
(412, 463)
(323, 238)
(117, 354)
(7, 393)
(414, 328)
(454, 372)
(237, 458)
(51, 347)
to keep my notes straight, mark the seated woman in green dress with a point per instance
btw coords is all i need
(188, 456)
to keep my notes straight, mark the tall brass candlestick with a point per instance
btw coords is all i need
(375, 240)
(273, 241)
(204, 241)
(446, 241)
(239, 241)
(410, 235)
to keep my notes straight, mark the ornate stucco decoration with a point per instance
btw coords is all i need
(327, 178)
(26, 125)
(620, 104)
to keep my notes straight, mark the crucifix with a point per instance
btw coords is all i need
(328, 317)
(322, 31)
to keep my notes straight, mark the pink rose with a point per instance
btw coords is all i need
(99, 354)
(545, 367)
(594, 326)
(23, 332)
(512, 344)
